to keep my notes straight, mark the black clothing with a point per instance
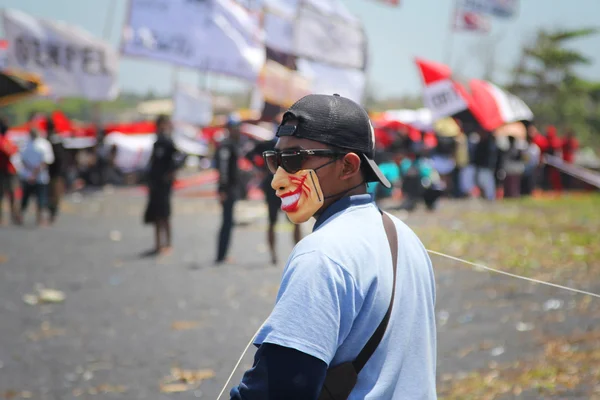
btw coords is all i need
(164, 161)
(226, 161)
(56, 169)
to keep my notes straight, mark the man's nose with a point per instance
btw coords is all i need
(280, 180)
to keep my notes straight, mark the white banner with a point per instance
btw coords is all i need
(326, 79)
(329, 38)
(192, 106)
(279, 31)
(443, 99)
(512, 108)
(471, 22)
(210, 35)
(497, 8)
(70, 61)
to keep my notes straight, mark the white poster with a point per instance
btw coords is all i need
(497, 8)
(70, 61)
(327, 79)
(210, 35)
(192, 106)
(329, 38)
(443, 99)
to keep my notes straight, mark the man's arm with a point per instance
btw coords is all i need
(281, 373)
(315, 309)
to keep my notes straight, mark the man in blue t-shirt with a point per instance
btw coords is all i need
(338, 283)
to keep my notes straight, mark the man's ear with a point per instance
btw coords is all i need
(351, 166)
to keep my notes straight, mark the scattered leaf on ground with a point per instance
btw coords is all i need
(184, 325)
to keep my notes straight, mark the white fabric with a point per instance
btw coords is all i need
(279, 31)
(470, 21)
(210, 35)
(327, 79)
(329, 38)
(421, 119)
(443, 99)
(512, 108)
(70, 61)
(36, 154)
(192, 106)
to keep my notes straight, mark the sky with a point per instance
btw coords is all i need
(417, 28)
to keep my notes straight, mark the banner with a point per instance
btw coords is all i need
(69, 60)
(279, 31)
(471, 22)
(443, 99)
(192, 106)
(210, 35)
(329, 38)
(496, 8)
(282, 86)
(327, 79)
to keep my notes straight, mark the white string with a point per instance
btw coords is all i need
(442, 255)
(237, 364)
(513, 275)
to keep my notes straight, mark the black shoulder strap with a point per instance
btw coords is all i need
(369, 349)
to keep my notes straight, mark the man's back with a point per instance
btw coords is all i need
(335, 291)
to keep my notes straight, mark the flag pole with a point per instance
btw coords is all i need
(450, 36)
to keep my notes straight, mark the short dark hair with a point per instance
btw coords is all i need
(162, 119)
(3, 127)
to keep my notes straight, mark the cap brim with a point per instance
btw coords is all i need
(374, 174)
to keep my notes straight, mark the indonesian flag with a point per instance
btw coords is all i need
(496, 107)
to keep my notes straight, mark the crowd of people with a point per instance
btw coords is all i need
(475, 164)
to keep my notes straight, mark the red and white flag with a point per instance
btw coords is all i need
(389, 2)
(471, 21)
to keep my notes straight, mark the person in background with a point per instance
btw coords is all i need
(514, 166)
(569, 146)
(8, 179)
(554, 148)
(56, 170)
(461, 156)
(389, 164)
(420, 180)
(35, 157)
(485, 161)
(226, 162)
(532, 162)
(164, 162)
(273, 202)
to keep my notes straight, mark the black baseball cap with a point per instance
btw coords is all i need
(336, 121)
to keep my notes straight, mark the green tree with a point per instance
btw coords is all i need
(546, 79)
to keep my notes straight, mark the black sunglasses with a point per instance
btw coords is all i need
(291, 160)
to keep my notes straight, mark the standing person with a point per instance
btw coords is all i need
(164, 162)
(344, 299)
(532, 162)
(514, 166)
(56, 170)
(35, 157)
(485, 161)
(273, 202)
(8, 172)
(554, 148)
(226, 161)
(569, 147)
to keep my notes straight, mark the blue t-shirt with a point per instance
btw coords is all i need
(335, 290)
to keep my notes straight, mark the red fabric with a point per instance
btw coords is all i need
(487, 111)
(541, 141)
(7, 150)
(433, 72)
(429, 140)
(569, 147)
(554, 142)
